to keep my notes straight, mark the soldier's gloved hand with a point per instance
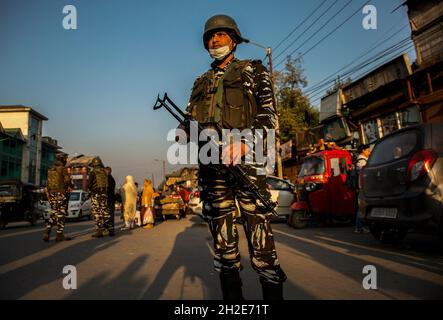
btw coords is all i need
(233, 153)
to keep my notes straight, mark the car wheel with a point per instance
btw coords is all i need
(90, 216)
(298, 219)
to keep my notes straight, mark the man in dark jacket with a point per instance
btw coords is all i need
(111, 200)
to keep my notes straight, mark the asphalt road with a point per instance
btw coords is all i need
(174, 261)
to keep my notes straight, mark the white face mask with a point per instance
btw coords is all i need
(220, 53)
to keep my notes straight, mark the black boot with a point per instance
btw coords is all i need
(46, 235)
(61, 237)
(231, 285)
(98, 233)
(272, 291)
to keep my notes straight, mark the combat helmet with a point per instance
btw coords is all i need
(221, 22)
(96, 162)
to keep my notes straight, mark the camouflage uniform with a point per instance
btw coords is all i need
(59, 205)
(246, 101)
(97, 185)
(58, 186)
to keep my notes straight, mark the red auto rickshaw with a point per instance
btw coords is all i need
(322, 190)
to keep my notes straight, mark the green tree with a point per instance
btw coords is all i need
(296, 112)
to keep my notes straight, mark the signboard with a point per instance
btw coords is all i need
(389, 123)
(370, 130)
(286, 150)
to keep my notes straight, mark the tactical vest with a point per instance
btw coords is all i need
(224, 101)
(101, 179)
(55, 181)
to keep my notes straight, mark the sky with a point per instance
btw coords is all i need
(97, 84)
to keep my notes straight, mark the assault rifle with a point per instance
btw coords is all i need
(236, 172)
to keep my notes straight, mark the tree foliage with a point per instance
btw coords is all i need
(296, 112)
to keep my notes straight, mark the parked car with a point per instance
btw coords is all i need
(43, 208)
(402, 183)
(323, 192)
(281, 191)
(195, 203)
(79, 205)
(17, 202)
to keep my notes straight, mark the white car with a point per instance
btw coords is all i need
(195, 204)
(282, 191)
(79, 205)
(43, 208)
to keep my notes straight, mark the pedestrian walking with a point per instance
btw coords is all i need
(111, 200)
(146, 212)
(364, 151)
(129, 198)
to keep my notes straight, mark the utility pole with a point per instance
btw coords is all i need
(277, 128)
(164, 168)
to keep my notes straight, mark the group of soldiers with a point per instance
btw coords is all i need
(101, 187)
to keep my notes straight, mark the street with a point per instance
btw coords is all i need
(174, 261)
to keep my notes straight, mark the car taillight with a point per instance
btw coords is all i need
(197, 194)
(421, 163)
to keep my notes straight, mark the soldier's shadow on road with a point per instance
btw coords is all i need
(349, 257)
(27, 277)
(17, 244)
(198, 279)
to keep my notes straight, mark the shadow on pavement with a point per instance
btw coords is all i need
(349, 260)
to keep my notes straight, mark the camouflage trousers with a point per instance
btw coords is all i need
(59, 206)
(220, 199)
(99, 203)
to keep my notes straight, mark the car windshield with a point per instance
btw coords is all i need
(8, 190)
(312, 166)
(394, 147)
(75, 196)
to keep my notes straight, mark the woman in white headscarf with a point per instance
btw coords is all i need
(129, 198)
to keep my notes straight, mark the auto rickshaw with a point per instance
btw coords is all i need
(17, 202)
(323, 193)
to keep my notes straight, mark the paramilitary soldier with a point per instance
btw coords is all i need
(58, 188)
(235, 94)
(98, 188)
